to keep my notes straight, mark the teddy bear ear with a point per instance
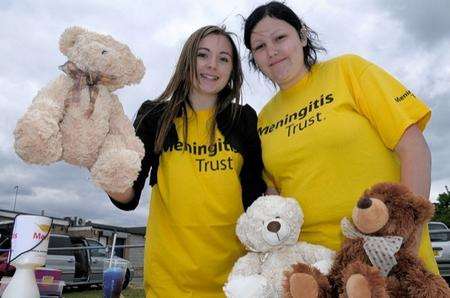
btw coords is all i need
(139, 72)
(293, 203)
(423, 209)
(69, 37)
(240, 228)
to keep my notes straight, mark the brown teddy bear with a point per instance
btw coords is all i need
(378, 258)
(78, 118)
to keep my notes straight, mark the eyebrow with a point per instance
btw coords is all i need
(258, 39)
(222, 52)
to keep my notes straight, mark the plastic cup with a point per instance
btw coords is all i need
(113, 277)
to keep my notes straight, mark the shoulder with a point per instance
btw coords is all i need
(347, 64)
(349, 59)
(150, 111)
(269, 108)
(240, 113)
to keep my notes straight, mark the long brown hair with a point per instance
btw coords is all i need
(176, 94)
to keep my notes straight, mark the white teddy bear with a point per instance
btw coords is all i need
(269, 229)
(77, 117)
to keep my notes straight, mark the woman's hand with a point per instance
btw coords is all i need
(124, 197)
(272, 191)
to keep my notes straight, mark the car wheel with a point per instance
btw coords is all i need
(126, 280)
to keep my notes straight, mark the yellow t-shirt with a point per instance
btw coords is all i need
(331, 136)
(191, 244)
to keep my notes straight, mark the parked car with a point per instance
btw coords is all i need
(440, 241)
(437, 225)
(81, 267)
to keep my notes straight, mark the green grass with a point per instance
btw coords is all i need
(94, 293)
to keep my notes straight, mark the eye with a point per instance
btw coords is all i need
(224, 59)
(104, 52)
(258, 47)
(201, 55)
(281, 37)
(277, 217)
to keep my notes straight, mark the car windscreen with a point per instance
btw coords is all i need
(440, 236)
(435, 226)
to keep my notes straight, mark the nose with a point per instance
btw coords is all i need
(364, 203)
(272, 50)
(212, 63)
(274, 226)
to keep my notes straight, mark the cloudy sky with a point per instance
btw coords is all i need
(410, 39)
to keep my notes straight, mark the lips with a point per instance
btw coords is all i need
(276, 62)
(209, 77)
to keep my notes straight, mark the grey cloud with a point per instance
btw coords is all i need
(427, 21)
(438, 136)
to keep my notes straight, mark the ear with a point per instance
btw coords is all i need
(303, 37)
(295, 207)
(69, 37)
(240, 228)
(423, 209)
(138, 72)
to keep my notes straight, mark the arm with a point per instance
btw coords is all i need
(252, 182)
(415, 159)
(272, 191)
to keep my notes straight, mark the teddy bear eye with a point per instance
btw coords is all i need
(277, 217)
(104, 52)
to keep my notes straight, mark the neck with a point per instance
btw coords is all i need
(202, 101)
(300, 75)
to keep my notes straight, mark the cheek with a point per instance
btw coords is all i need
(260, 60)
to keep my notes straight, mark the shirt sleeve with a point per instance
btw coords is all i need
(268, 179)
(252, 182)
(144, 131)
(388, 105)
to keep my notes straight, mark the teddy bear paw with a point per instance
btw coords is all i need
(253, 286)
(363, 281)
(116, 170)
(303, 285)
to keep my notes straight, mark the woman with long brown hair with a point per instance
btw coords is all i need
(204, 153)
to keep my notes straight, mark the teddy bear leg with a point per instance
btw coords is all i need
(116, 167)
(363, 281)
(417, 281)
(38, 138)
(305, 281)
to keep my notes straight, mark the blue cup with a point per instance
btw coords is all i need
(113, 277)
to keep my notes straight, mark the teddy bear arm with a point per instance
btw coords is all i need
(246, 265)
(314, 253)
(121, 126)
(37, 133)
(52, 97)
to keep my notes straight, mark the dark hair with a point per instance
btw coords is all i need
(278, 10)
(176, 94)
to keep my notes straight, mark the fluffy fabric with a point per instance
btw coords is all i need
(77, 118)
(269, 230)
(408, 278)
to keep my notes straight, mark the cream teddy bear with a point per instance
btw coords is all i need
(269, 230)
(77, 118)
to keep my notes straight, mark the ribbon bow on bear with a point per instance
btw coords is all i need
(84, 79)
(380, 250)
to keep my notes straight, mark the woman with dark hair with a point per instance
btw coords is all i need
(204, 153)
(334, 128)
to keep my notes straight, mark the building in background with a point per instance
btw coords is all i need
(77, 226)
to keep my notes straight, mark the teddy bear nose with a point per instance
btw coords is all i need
(274, 226)
(364, 203)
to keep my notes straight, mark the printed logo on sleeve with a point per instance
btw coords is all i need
(404, 96)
